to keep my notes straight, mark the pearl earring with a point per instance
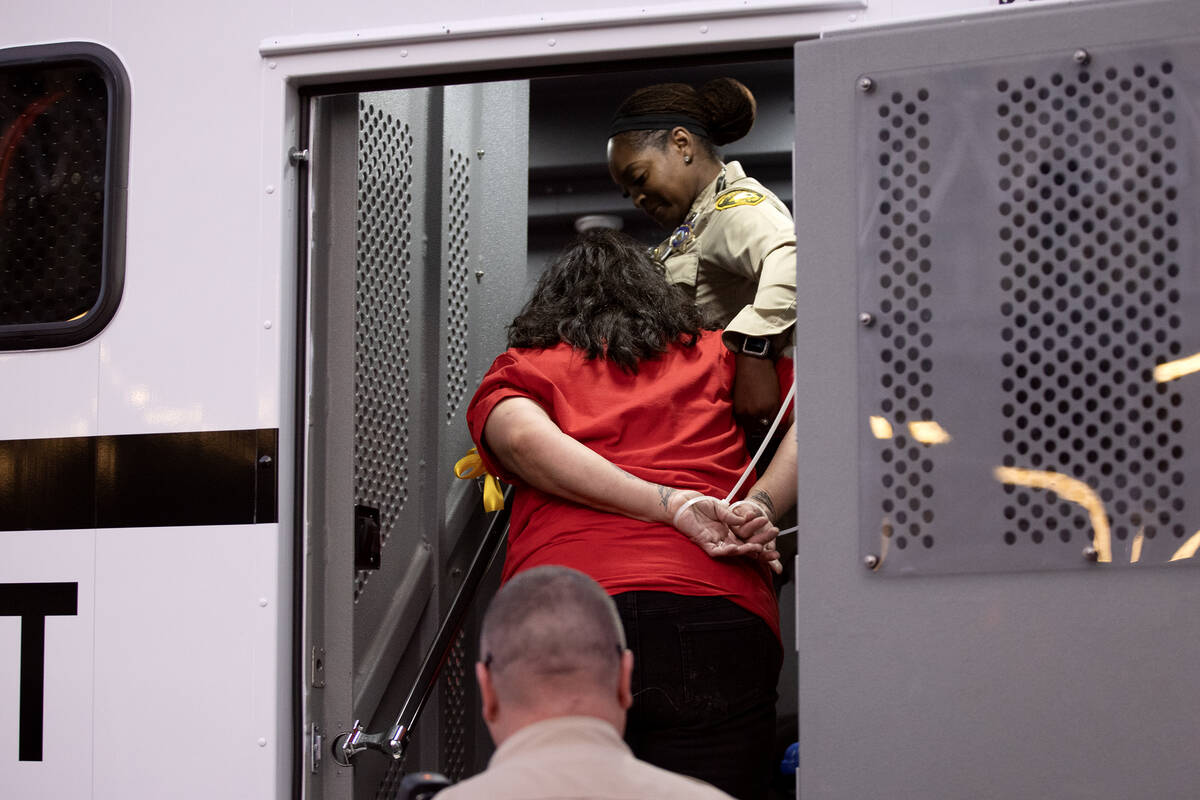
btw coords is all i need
(687, 159)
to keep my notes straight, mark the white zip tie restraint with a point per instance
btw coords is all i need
(766, 440)
(747, 501)
(749, 468)
(689, 504)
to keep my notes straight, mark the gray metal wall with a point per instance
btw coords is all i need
(418, 264)
(998, 236)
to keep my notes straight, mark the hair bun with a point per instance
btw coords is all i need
(730, 109)
(724, 106)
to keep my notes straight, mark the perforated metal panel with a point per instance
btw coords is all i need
(1029, 670)
(385, 256)
(400, 341)
(484, 161)
(1027, 258)
(455, 710)
(904, 242)
(1099, 197)
(458, 248)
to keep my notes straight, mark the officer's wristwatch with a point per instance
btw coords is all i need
(756, 346)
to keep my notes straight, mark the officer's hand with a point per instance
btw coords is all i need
(755, 393)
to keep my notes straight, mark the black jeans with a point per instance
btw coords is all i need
(704, 677)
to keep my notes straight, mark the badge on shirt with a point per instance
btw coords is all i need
(681, 235)
(739, 197)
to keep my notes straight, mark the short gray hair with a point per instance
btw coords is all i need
(551, 622)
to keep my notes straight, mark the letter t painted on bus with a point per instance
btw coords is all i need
(33, 602)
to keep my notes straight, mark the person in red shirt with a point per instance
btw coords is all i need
(611, 413)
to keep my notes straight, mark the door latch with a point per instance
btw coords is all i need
(317, 668)
(368, 538)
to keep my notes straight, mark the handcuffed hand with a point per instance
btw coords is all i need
(710, 524)
(753, 525)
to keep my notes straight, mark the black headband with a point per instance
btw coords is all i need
(656, 122)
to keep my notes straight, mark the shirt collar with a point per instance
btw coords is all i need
(732, 171)
(559, 731)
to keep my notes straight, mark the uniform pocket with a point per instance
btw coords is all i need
(728, 665)
(683, 270)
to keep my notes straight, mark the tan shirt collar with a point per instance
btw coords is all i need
(732, 171)
(558, 732)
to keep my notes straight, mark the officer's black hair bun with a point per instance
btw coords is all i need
(729, 109)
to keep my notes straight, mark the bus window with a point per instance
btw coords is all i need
(62, 178)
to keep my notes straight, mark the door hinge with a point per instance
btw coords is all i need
(314, 745)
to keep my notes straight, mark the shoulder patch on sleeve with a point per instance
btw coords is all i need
(739, 197)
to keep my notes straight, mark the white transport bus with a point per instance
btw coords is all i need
(255, 257)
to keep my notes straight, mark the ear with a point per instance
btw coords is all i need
(681, 139)
(625, 681)
(490, 706)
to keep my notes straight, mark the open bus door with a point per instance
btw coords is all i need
(999, 449)
(417, 260)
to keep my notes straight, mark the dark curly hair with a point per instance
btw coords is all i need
(605, 296)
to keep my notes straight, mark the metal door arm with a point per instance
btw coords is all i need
(347, 745)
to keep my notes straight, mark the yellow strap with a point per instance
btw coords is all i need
(471, 466)
(493, 496)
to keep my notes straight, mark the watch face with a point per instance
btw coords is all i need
(755, 346)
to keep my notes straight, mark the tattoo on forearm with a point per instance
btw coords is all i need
(664, 495)
(762, 498)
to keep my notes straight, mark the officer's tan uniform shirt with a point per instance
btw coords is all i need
(739, 262)
(574, 757)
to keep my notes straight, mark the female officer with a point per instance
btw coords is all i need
(732, 245)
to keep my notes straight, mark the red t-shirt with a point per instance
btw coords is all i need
(671, 424)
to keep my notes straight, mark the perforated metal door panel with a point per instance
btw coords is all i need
(438, 264)
(1027, 265)
(388, 297)
(484, 168)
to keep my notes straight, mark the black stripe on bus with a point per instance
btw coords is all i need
(139, 480)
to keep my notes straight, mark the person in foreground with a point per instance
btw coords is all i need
(555, 685)
(611, 413)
